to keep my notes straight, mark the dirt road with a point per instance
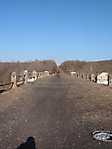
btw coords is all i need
(59, 112)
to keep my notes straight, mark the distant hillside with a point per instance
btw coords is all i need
(7, 67)
(87, 67)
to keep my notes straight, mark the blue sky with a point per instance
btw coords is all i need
(55, 29)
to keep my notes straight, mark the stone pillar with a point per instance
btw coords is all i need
(84, 76)
(93, 78)
(77, 75)
(14, 79)
(34, 75)
(25, 76)
(110, 80)
(88, 77)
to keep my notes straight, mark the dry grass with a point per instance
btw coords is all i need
(87, 67)
(6, 68)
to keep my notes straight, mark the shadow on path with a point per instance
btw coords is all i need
(29, 144)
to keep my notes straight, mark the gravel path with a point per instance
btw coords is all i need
(59, 112)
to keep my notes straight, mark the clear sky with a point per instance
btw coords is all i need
(55, 29)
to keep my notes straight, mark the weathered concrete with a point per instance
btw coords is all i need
(30, 80)
(34, 75)
(93, 78)
(73, 73)
(84, 76)
(110, 80)
(26, 76)
(103, 78)
(43, 74)
(14, 79)
(88, 77)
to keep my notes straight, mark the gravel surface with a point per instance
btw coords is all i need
(59, 112)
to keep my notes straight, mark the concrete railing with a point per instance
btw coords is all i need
(103, 78)
(24, 78)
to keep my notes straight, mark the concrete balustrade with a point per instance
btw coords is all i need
(24, 77)
(102, 78)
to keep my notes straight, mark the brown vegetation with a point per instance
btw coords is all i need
(87, 67)
(7, 67)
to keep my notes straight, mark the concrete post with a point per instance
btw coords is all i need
(26, 76)
(78, 75)
(34, 75)
(14, 79)
(93, 78)
(84, 76)
(88, 77)
(110, 80)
